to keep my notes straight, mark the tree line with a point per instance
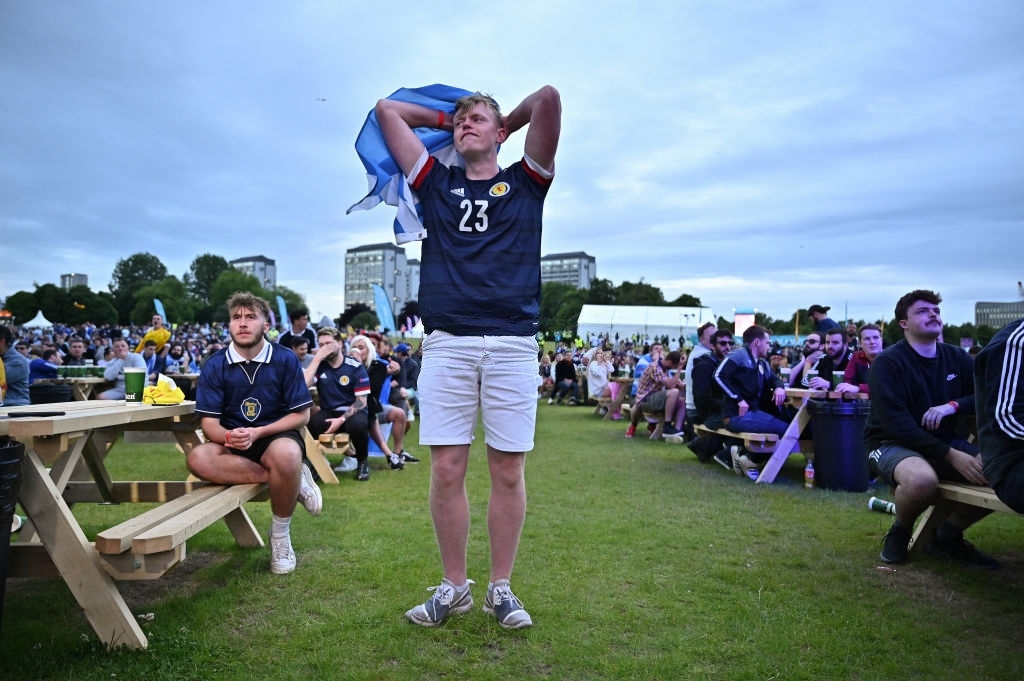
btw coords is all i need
(197, 296)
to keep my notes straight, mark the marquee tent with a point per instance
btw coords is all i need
(648, 321)
(38, 322)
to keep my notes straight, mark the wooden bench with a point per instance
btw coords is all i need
(605, 402)
(947, 497)
(761, 443)
(317, 451)
(148, 545)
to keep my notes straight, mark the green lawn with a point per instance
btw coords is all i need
(636, 562)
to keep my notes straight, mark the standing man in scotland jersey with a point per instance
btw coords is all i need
(480, 300)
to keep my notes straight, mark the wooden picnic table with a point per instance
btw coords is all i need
(65, 463)
(82, 387)
(798, 397)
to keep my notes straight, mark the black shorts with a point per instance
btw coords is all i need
(1011, 488)
(883, 461)
(259, 447)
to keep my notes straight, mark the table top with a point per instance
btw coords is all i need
(74, 379)
(622, 379)
(824, 394)
(84, 415)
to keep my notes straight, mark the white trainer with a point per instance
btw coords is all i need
(309, 494)
(282, 558)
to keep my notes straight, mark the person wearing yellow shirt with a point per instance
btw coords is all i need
(158, 333)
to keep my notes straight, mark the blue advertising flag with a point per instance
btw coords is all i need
(160, 311)
(383, 305)
(282, 310)
(386, 181)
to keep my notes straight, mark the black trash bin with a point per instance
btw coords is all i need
(840, 460)
(48, 393)
(12, 453)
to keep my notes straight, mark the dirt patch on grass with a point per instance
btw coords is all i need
(178, 582)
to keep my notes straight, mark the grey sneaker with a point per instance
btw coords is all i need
(445, 601)
(503, 605)
(282, 557)
(309, 494)
(347, 465)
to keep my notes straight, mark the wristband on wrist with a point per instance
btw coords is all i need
(440, 118)
(955, 405)
(227, 439)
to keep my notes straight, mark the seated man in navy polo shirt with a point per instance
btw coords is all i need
(253, 400)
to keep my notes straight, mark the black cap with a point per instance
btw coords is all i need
(818, 308)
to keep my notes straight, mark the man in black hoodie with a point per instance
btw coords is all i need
(915, 436)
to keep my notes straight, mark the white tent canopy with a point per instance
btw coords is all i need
(648, 321)
(38, 322)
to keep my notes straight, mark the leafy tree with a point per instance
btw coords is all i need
(202, 274)
(351, 312)
(229, 282)
(22, 305)
(552, 294)
(601, 292)
(174, 296)
(685, 300)
(568, 315)
(639, 293)
(366, 319)
(131, 274)
(82, 305)
(292, 300)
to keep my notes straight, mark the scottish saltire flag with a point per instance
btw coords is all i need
(387, 183)
(384, 314)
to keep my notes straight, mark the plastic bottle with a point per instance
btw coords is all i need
(809, 476)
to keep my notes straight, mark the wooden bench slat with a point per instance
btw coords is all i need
(755, 442)
(947, 496)
(177, 529)
(118, 539)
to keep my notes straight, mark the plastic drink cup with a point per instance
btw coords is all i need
(134, 384)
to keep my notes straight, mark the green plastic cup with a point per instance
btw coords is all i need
(134, 384)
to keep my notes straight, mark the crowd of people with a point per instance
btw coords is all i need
(920, 388)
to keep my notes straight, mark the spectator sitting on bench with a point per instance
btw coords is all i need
(913, 432)
(658, 392)
(252, 401)
(837, 357)
(599, 376)
(812, 353)
(855, 378)
(565, 380)
(999, 379)
(343, 386)
(752, 393)
(707, 399)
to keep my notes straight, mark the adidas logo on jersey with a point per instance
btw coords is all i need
(459, 192)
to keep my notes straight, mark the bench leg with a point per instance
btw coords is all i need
(928, 523)
(74, 557)
(319, 461)
(240, 524)
(787, 443)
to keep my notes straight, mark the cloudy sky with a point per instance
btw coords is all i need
(767, 155)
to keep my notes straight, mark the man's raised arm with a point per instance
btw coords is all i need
(543, 112)
(397, 120)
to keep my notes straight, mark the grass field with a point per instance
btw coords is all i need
(636, 562)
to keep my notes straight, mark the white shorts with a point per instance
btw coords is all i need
(462, 376)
